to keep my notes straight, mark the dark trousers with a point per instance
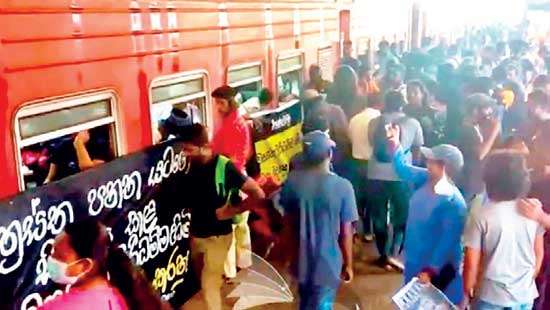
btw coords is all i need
(360, 186)
(392, 197)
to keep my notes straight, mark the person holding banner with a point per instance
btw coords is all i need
(101, 276)
(233, 140)
(216, 182)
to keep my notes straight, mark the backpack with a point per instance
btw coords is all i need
(381, 148)
(231, 196)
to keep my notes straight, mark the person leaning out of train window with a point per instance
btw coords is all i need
(100, 275)
(83, 151)
(178, 119)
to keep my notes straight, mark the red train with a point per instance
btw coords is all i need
(121, 65)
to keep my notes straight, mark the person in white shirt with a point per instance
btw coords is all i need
(362, 152)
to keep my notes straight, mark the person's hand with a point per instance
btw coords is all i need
(393, 132)
(494, 124)
(347, 274)
(424, 277)
(465, 303)
(531, 209)
(82, 137)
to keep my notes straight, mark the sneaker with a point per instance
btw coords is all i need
(383, 263)
(396, 263)
(368, 238)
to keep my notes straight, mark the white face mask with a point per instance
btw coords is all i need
(57, 271)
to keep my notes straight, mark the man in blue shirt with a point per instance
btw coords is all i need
(437, 213)
(319, 212)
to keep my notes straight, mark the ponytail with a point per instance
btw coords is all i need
(89, 239)
(131, 281)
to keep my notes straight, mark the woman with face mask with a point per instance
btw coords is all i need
(101, 276)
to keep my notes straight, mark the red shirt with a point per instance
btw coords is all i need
(233, 140)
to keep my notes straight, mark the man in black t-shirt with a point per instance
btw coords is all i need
(216, 183)
(475, 144)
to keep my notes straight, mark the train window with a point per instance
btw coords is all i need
(247, 80)
(62, 137)
(324, 59)
(289, 77)
(179, 99)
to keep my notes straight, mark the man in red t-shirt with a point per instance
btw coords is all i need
(233, 140)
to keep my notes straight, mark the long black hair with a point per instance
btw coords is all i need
(425, 103)
(343, 91)
(90, 239)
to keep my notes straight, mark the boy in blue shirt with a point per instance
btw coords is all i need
(437, 213)
(319, 212)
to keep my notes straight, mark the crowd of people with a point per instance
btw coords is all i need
(447, 149)
(441, 155)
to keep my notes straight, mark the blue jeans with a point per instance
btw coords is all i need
(317, 297)
(482, 305)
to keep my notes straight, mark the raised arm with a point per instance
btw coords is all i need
(405, 171)
(408, 172)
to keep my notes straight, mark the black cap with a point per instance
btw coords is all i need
(224, 92)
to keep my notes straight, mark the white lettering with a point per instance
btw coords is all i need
(281, 122)
(147, 239)
(112, 194)
(170, 163)
(31, 229)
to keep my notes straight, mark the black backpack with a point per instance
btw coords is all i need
(381, 148)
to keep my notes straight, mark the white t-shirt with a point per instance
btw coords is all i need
(507, 242)
(358, 132)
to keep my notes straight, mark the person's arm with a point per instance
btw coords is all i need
(254, 193)
(85, 162)
(404, 170)
(532, 209)
(345, 241)
(407, 172)
(51, 173)
(472, 263)
(539, 252)
(473, 238)
(488, 143)
(341, 125)
(348, 215)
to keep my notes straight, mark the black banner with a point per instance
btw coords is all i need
(130, 196)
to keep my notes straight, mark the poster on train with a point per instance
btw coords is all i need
(131, 196)
(277, 138)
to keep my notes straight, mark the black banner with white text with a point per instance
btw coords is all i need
(130, 196)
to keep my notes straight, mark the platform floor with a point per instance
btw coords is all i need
(371, 288)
